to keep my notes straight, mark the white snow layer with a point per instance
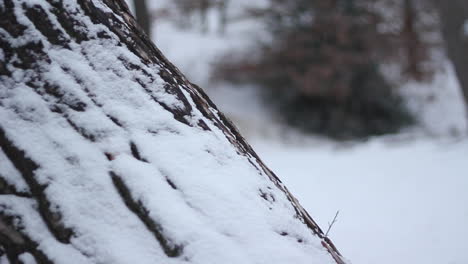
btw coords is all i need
(214, 208)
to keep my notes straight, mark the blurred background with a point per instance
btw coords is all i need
(358, 105)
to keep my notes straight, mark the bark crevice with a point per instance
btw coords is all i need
(169, 247)
(15, 243)
(27, 168)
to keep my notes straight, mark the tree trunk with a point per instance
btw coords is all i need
(223, 16)
(414, 51)
(203, 6)
(110, 155)
(454, 20)
(142, 15)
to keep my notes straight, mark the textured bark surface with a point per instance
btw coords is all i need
(41, 40)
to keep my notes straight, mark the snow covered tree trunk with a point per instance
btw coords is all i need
(110, 155)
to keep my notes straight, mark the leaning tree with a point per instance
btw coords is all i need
(110, 155)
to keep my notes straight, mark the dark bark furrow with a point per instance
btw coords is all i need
(27, 168)
(179, 114)
(62, 105)
(171, 183)
(80, 130)
(170, 248)
(6, 188)
(114, 120)
(40, 19)
(9, 21)
(73, 27)
(136, 153)
(16, 242)
(70, 100)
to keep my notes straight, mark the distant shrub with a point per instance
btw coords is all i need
(321, 69)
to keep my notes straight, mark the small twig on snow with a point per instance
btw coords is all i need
(330, 225)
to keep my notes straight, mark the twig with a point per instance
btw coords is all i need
(330, 225)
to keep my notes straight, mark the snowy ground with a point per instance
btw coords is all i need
(402, 201)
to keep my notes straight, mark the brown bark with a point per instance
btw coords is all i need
(414, 50)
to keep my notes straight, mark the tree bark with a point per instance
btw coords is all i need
(414, 51)
(454, 16)
(110, 155)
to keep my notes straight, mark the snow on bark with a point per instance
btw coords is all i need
(109, 155)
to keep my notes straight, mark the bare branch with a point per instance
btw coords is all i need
(330, 225)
